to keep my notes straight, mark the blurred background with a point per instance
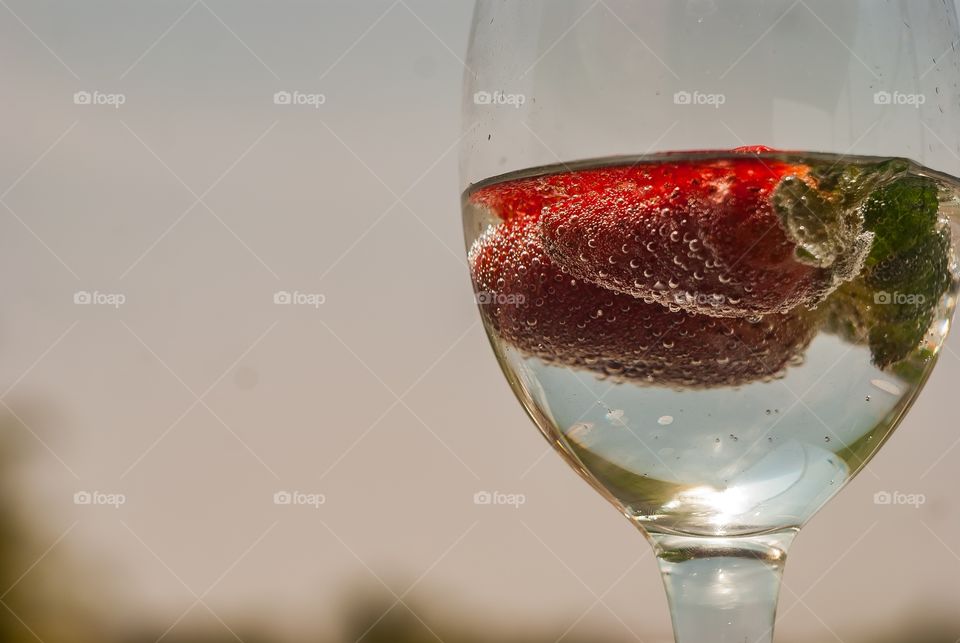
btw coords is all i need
(244, 393)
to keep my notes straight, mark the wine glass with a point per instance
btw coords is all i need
(712, 245)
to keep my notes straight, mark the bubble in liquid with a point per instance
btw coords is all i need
(887, 387)
(616, 417)
(580, 431)
(666, 420)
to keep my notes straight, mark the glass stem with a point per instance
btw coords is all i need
(723, 590)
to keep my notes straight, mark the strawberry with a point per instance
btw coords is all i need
(539, 308)
(701, 235)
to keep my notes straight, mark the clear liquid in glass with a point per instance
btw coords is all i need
(700, 402)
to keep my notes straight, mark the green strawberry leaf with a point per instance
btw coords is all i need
(892, 304)
(897, 212)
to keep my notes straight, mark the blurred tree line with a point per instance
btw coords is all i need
(49, 602)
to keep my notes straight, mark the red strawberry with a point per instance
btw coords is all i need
(698, 235)
(530, 196)
(541, 310)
